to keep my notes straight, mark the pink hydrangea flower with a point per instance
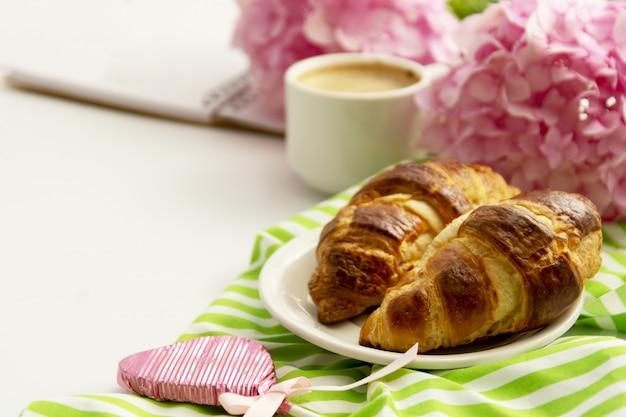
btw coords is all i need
(539, 96)
(276, 33)
(270, 32)
(417, 29)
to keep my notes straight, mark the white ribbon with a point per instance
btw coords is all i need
(267, 404)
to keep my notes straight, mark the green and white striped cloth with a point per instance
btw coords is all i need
(582, 373)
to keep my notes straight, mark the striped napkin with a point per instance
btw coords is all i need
(582, 373)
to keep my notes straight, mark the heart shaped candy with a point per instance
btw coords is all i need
(199, 370)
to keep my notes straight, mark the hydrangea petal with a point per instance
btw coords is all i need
(619, 29)
(483, 87)
(316, 28)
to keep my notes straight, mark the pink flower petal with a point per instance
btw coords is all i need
(619, 29)
(538, 77)
(316, 28)
(483, 87)
(517, 88)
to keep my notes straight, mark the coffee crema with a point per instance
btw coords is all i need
(359, 78)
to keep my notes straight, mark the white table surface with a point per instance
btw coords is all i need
(117, 229)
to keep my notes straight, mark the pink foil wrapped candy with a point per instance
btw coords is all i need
(199, 370)
(233, 372)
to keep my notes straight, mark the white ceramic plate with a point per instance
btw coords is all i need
(284, 292)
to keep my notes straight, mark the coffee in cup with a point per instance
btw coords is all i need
(366, 77)
(349, 115)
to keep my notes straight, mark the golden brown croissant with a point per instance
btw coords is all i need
(504, 268)
(387, 226)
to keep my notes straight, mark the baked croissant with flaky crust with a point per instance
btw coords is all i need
(504, 268)
(386, 227)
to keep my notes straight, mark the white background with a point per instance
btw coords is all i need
(117, 229)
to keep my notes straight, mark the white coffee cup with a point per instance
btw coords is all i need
(336, 133)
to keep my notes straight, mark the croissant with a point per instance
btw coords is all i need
(387, 226)
(504, 268)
